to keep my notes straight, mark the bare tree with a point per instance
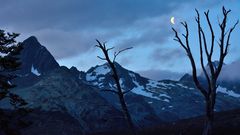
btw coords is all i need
(116, 78)
(209, 91)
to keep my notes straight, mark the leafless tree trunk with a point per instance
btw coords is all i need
(208, 92)
(116, 78)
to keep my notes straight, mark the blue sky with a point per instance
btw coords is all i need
(68, 28)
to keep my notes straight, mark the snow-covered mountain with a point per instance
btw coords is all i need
(166, 97)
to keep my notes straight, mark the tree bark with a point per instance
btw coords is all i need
(116, 78)
(122, 100)
(126, 114)
(208, 126)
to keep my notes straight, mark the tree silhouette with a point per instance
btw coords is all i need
(116, 78)
(9, 62)
(209, 91)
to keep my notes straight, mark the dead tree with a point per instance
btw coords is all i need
(209, 91)
(116, 78)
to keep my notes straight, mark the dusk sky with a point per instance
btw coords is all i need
(68, 28)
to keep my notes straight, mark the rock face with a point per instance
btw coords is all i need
(36, 58)
(60, 91)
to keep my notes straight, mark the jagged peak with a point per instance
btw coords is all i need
(215, 63)
(35, 54)
(32, 39)
(73, 68)
(185, 77)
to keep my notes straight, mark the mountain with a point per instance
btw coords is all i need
(51, 89)
(36, 60)
(61, 91)
(57, 93)
(229, 77)
(170, 100)
(100, 76)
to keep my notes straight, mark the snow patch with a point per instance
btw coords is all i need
(150, 102)
(121, 82)
(95, 83)
(156, 84)
(166, 100)
(35, 71)
(228, 92)
(101, 78)
(100, 70)
(90, 77)
(9, 82)
(132, 75)
(3, 54)
(183, 86)
(152, 83)
(164, 95)
(139, 90)
(167, 84)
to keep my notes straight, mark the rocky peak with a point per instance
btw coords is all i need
(35, 58)
(186, 77)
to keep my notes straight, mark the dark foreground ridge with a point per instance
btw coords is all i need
(226, 123)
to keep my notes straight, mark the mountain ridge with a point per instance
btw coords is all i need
(50, 87)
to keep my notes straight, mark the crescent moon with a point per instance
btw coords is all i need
(172, 20)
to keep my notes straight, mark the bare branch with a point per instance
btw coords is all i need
(222, 38)
(212, 43)
(179, 40)
(186, 37)
(117, 53)
(101, 58)
(110, 48)
(194, 69)
(189, 53)
(99, 43)
(205, 43)
(200, 34)
(228, 38)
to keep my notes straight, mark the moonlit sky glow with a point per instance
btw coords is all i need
(68, 28)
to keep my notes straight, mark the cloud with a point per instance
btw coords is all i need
(165, 55)
(160, 74)
(64, 44)
(231, 72)
(68, 28)
(74, 24)
(82, 13)
(151, 31)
